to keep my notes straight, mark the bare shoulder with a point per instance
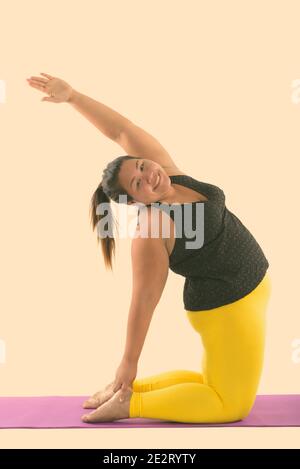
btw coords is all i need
(153, 227)
(151, 219)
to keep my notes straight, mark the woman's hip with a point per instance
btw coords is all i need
(250, 309)
(233, 337)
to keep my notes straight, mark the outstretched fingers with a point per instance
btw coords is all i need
(48, 76)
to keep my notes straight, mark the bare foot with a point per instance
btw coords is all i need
(111, 410)
(99, 397)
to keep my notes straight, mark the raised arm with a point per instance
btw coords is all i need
(108, 121)
(132, 138)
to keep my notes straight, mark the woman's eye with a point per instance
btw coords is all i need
(138, 184)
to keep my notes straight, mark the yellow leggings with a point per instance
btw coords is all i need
(233, 337)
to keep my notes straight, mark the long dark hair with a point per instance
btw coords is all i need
(108, 189)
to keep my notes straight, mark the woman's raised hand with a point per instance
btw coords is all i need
(58, 90)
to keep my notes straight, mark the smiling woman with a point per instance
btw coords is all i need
(145, 181)
(226, 289)
(135, 180)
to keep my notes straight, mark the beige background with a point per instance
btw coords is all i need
(212, 80)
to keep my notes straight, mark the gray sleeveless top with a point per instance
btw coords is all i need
(222, 262)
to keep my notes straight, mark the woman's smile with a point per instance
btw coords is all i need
(157, 181)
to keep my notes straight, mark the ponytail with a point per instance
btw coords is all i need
(108, 189)
(107, 241)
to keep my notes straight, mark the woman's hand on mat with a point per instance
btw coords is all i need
(125, 375)
(59, 91)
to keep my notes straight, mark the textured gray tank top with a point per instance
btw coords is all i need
(227, 265)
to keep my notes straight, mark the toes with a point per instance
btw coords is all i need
(111, 410)
(85, 418)
(92, 417)
(90, 404)
(98, 400)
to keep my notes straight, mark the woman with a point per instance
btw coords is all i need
(226, 290)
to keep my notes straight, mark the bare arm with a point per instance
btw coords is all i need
(150, 265)
(108, 121)
(137, 142)
(132, 138)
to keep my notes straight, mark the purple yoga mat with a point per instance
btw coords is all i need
(281, 410)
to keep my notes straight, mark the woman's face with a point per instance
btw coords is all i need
(145, 180)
